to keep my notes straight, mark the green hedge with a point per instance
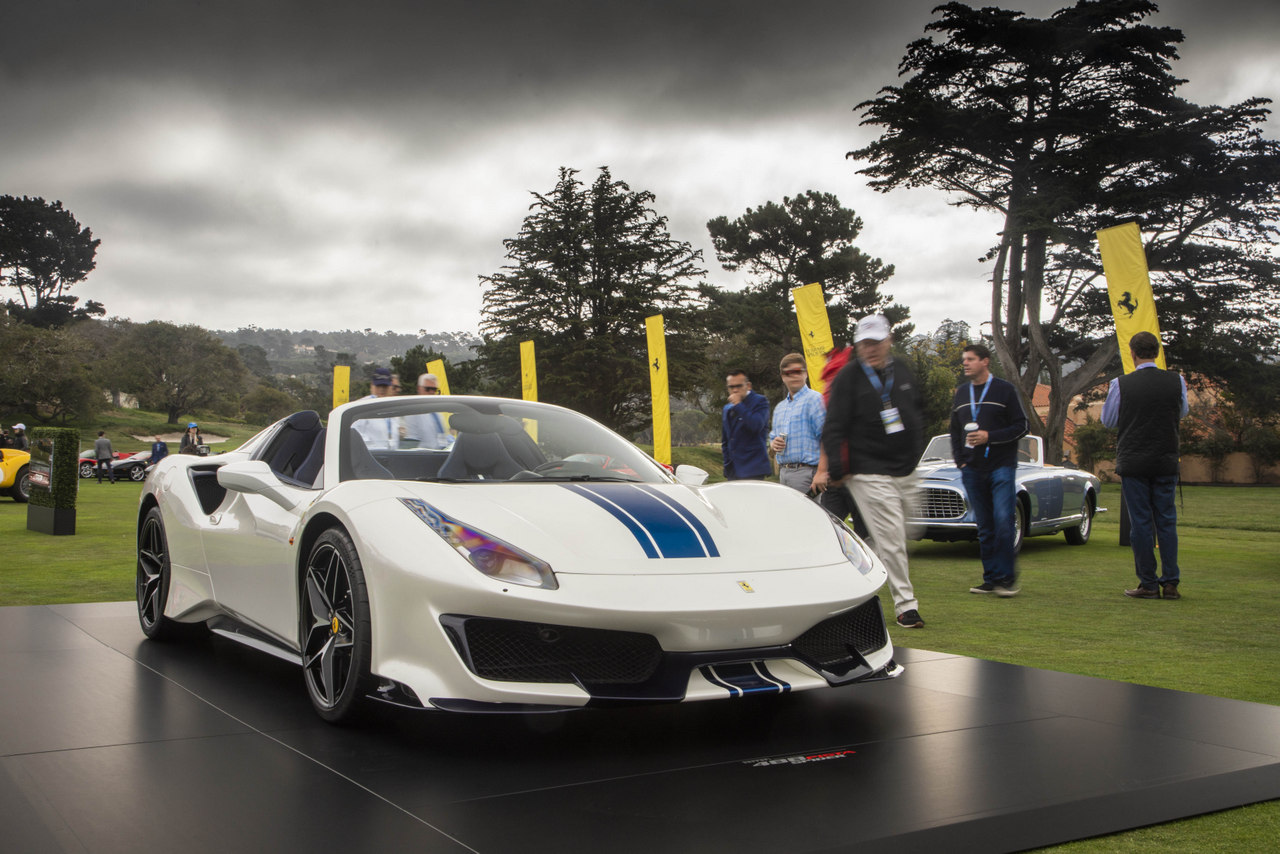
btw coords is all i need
(65, 475)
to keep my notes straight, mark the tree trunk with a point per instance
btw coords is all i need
(1025, 360)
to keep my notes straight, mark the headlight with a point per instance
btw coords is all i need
(853, 550)
(488, 554)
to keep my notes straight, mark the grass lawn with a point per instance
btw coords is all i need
(1221, 638)
(124, 426)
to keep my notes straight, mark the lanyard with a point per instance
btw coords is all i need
(973, 405)
(882, 388)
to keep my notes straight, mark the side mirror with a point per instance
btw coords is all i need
(691, 475)
(255, 478)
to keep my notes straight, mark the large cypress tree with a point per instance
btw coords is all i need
(589, 265)
(1066, 124)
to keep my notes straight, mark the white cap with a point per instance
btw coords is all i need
(873, 327)
(19, 426)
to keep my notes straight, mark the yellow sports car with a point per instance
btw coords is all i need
(15, 474)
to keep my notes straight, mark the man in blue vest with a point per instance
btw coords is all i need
(987, 420)
(1146, 406)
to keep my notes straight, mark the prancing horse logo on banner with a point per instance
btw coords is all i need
(1126, 302)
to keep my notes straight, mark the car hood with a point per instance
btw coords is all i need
(632, 528)
(944, 472)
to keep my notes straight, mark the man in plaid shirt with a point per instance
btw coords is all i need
(796, 437)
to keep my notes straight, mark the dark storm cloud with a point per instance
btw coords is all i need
(286, 156)
(692, 52)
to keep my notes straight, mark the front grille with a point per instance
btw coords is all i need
(827, 644)
(513, 651)
(941, 504)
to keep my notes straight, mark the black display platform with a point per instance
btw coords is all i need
(111, 743)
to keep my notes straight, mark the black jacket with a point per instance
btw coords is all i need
(1000, 414)
(854, 435)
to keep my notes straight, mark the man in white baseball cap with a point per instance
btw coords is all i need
(873, 437)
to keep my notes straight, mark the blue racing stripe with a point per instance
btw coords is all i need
(744, 678)
(694, 522)
(659, 523)
(646, 542)
(709, 674)
(764, 671)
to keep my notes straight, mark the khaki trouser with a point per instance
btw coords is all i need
(885, 503)
(799, 478)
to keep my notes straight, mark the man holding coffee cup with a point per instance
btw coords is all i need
(796, 437)
(987, 420)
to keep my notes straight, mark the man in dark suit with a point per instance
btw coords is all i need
(744, 430)
(1146, 405)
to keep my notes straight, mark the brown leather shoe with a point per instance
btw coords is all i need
(1170, 591)
(1142, 593)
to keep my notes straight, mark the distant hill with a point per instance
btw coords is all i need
(285, 347)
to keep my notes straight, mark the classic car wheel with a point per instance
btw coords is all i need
(21, 489)
(1019, 525)
(153, 584)
(336, 649)
(87, 469)
(1079, 535)
(138, 473)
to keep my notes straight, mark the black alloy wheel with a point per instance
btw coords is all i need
(87, 469)
(153, 583)
(138, 472)
(336, 630)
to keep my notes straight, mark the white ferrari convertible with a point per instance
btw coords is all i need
(482, 554)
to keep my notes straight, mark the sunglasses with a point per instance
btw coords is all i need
(425, 389)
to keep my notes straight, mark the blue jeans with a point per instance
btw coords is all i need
(1152, 518)
(991, 496)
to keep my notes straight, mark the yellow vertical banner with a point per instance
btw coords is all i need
(529, 383)
(436, 366)
(1128, 287)
(659, 389)
(341, 385)
(815, 330)
(528, 372)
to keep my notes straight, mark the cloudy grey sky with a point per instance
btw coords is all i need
(357, 165)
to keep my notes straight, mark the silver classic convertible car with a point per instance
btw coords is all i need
(1050, 498)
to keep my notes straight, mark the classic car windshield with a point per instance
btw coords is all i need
(460, 439)
(939, 451)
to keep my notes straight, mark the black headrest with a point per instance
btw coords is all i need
(308, 419)
(479, 422)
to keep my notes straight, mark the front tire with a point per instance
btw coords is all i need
(21, 489)
(138, 473)
(152, 586)
(336, 628)
(1019, 525)
(1079, 535)
(87, 469)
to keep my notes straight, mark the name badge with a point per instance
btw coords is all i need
(892, 420)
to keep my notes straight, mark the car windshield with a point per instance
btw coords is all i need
(938, 451)
(460, 439)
